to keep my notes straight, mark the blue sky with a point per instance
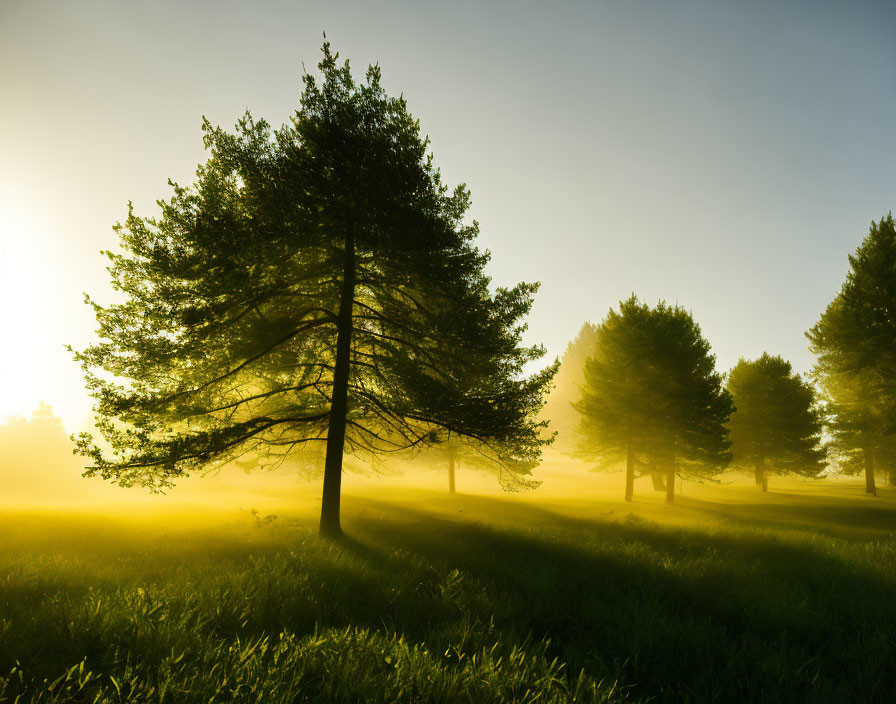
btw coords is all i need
(725, 156)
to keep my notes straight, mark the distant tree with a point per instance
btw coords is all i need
(36, 463)
(855, 342)
(886, 458)
(318, 284)
(776, 426)
(453, 452)
(652, 395)
(560, 409)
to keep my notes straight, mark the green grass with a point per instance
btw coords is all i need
(458, 599)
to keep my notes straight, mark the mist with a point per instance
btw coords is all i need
(460, 352)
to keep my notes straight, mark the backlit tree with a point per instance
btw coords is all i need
(855, 342)
(776, 426)
(566, 392)
(652, 396)
(317, 284)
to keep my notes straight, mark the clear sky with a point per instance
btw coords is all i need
(723, 155)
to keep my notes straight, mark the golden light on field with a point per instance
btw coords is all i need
(306, 439)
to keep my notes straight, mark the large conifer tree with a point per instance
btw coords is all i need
(776, 426)
(653, 396)
(855, 341)
(318, 284)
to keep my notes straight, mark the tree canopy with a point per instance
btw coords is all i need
(317, 284)
(651, 394)
(855, 342)
(566, 391)
(776, 426)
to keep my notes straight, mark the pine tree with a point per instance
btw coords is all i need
(776, 426)
(855, 341)
(452, 453)
(652, 396)
(560, 409)
(317, 285)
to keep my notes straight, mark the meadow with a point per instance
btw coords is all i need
(557, 595)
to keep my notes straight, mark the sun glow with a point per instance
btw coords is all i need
(34, 364)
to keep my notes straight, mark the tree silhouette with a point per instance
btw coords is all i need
(454, 452)
(36, 463)
(566, 392)
(318, 284)
(653, 397)
(776, 426)
(855, 341)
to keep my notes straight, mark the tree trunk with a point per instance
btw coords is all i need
(329, 511)
(870, 487)
(629, 472)
(670, 482)
(891, 477)
(451, 489)
(761, 479)
(658, 483)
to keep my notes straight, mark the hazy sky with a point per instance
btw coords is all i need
(727, 156)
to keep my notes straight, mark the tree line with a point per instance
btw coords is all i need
(318, 293)
(645, 392)
(652, 399)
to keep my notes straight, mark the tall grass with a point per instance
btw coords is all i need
(420, 606)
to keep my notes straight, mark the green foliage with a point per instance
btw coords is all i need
(776, 425)
(651, 384)
(547, 607)
(855, 341)
(318, 281)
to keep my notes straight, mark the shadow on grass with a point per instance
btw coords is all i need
(735, 610)
(851, 518)
(676, 613)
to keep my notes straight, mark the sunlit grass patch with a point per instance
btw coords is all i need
(347, 664)
(454, 599)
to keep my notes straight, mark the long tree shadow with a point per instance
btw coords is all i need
(851, 517)
(725, 611)
(675, 612)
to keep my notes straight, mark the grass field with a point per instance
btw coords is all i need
(551, 596)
